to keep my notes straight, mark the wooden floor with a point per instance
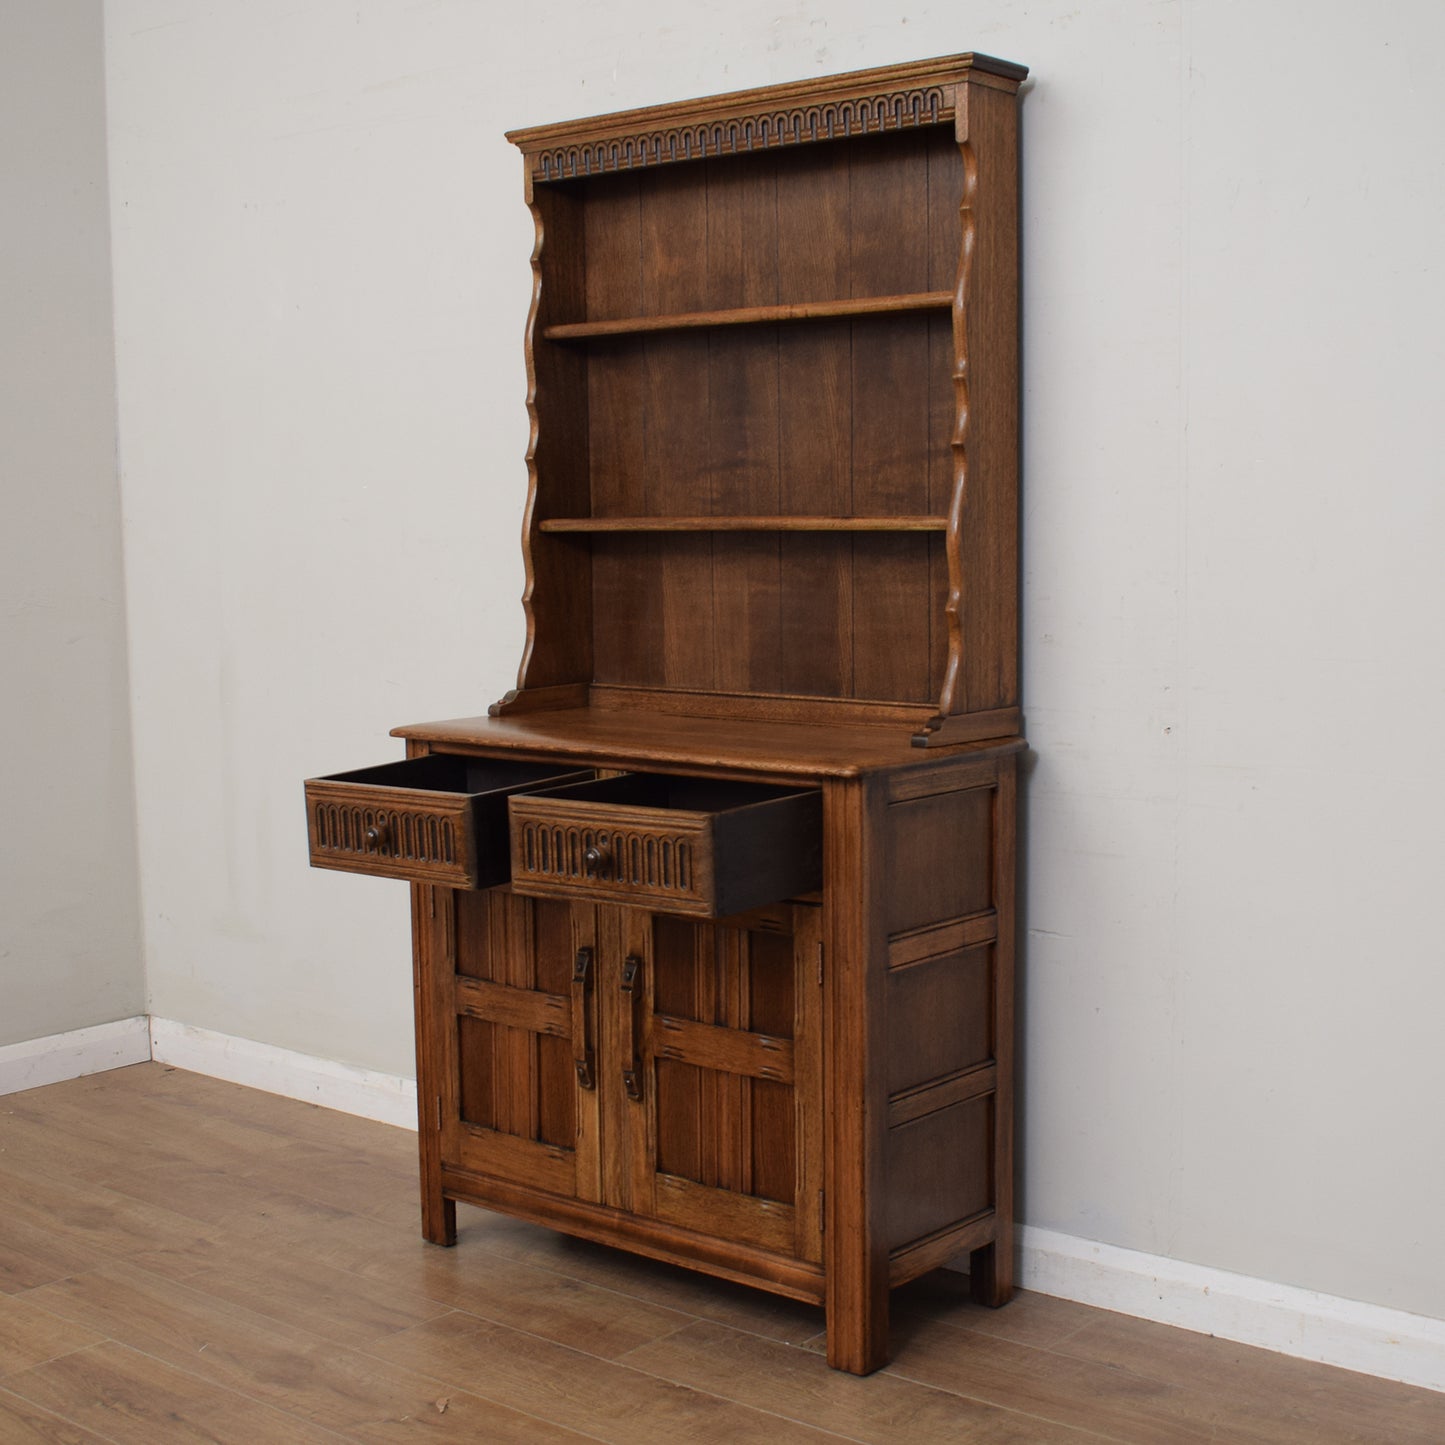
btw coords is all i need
(182, 1259)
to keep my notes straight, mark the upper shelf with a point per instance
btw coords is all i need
(750, 315)
(768, 522)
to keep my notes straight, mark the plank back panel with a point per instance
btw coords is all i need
(627, 588)
(840, 418)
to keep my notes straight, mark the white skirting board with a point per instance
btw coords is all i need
(1291, 1321)
(384, 1097)
(72, 1055)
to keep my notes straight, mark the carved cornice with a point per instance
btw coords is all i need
(866, 102)
(860, 115)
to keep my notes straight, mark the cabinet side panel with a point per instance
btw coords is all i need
(939, 1170)
(558, 596)
(989, 542)
(940, 1017)
(938, 862)
(947, 1007)
(945, 230)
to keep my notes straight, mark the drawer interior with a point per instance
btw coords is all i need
(448, 773)
(672, 793)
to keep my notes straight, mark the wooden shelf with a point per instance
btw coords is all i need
(751, 315)
(762, 523)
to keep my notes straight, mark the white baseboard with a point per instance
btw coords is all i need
(51, 1060)
(1370, 1338)
(387, 1098)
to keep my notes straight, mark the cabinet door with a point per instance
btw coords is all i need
(519, 997)
(716, 1034)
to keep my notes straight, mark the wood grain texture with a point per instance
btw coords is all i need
(690, 743)
(750, 315)
(800, 113)
(746, 522)
(557, 596)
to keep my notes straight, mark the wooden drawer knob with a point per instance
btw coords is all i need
(598, 860)
(379, 834)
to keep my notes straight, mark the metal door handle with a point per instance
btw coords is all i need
(583, 1057)
(631, 1001)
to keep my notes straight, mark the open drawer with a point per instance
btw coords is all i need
(435, 819)
(698, 846)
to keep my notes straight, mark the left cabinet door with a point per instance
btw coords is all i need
(514, 995)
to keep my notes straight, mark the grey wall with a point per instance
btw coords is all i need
(70, 951)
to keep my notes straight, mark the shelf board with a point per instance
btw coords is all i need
(751, 315)
(761, 523)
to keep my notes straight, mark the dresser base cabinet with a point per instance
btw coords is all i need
(813, 1097)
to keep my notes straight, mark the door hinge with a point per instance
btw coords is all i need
(820, 964)
(432, 901)
(822, 1212)
(439, 1113)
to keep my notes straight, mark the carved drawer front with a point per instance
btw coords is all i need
(675, 845)
(435, 819)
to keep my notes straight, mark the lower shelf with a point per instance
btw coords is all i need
(760, 522)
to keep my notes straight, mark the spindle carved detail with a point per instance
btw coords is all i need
(737, 135)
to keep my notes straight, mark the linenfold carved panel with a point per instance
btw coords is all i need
(836, 120)
(416, 837)
(639, 861)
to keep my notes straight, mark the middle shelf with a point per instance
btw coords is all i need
(752, 315)
(768, 522)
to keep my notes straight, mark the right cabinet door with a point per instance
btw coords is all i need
(717, 1049)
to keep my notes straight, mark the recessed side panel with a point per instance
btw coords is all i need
(939, 860)
(940, 1017)
(940, 1170)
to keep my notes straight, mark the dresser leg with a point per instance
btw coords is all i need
(857, 1327)
(438, 1218)
(991, 1271)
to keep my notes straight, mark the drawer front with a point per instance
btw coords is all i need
(593, 851)
(392, 835)
(439, 819)
(698, 847)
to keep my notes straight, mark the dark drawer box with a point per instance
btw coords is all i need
(675, 845)
(435, 819)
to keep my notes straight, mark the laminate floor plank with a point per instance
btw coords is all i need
(879, 1410)
(29, 1336)
(292, 1119)
(22, 1423)
(336, 1303)
(134, 1399)
(535, 1301)
(109, 1223)
(609, 1401)
(32, 1255)
(270, 1361)
(181, 1258)
(1120, 1403)
(1275, 1397)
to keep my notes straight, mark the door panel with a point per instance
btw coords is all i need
(518, 989)
(723, 1019)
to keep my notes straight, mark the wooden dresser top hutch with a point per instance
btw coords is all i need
(714, 911)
